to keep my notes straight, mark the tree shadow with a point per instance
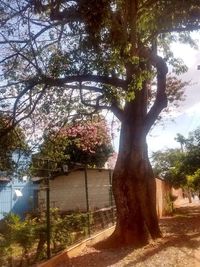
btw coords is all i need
(176, 241)
(100, 258)
(181, 231)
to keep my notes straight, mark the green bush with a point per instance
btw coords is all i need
(63, 228)
(30, 234)
(169, 207)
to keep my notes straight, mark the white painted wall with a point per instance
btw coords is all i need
(67, 192)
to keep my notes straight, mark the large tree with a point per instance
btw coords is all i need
(106, 52)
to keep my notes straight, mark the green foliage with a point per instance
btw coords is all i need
(30, 234)
(58, 63)
(11, 142)
(168, 164)
(5, 251)
(180, 167)
(169, 200)
(64, 228)
(21, 232)
(193, 181)
(191, 160)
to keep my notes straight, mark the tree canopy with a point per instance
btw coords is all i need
(86, 142)
(167, 164)
(10, 146)
(180, 167)
(87, 49)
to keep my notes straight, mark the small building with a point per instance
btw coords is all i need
(78, 189)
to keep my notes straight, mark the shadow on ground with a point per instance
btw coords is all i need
(100, 258)
(181, 231)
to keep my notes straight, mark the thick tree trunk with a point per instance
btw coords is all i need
(135, 195)
(134, 184)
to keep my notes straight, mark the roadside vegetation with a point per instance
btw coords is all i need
(23, 242)
(181, 167)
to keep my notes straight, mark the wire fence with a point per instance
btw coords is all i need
(68, 208)
(83, 191)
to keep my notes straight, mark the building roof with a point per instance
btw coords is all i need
(4, 179)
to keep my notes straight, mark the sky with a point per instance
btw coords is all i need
(186, 117)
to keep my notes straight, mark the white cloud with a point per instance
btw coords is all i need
(193, 110)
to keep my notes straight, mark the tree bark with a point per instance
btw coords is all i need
(134, 186)
(135, 195)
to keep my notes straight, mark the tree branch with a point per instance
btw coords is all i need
(31, 84)
(5, 131)
(84, 87)
(33, 107)
(161, 97)
(118, 112)
(83, 78)
(97, 105)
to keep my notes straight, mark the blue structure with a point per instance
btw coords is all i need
(18, 197)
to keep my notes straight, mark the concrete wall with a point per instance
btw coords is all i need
(162, 191)
(69, 192)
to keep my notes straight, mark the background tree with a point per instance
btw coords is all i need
(105, 52)
(12, 146)
(181, 169)
(195, 181)
(191, 160)
(86, 142)
(180, 139)
(168, 164)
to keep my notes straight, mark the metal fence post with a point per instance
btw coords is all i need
(111, 196)
(87, 199)
(11, 196)
(110, 188)
(48, 219)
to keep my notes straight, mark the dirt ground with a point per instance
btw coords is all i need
(179, 247)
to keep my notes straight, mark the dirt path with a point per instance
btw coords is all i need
(179, 247)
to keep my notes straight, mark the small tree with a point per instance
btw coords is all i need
(180, 139)
(86, 142)
(178, 167)
(195, 180)
(168, 165)
(10, 145)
